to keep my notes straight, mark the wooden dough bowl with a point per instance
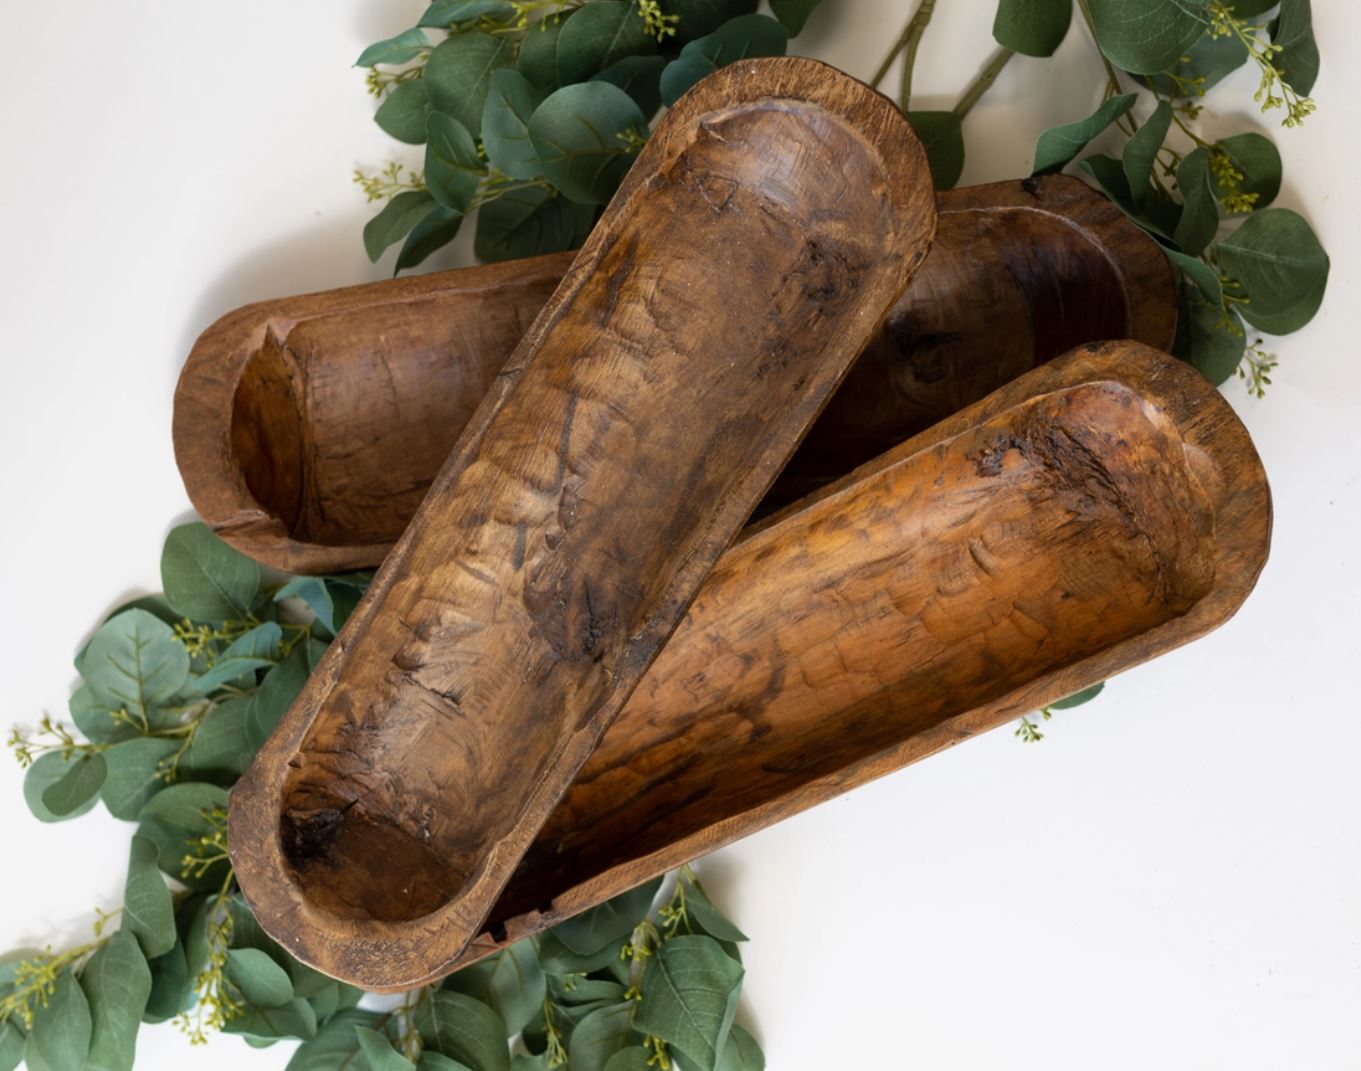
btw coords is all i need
(757, 244)
(308, 429)
(1099, 511)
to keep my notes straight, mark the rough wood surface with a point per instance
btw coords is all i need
(762, 236)
(1097, 512)
(308, 429)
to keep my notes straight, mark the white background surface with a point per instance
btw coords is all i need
(1170, 879)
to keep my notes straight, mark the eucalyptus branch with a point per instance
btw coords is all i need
(911, 32)
(914, 32)
(986, 77)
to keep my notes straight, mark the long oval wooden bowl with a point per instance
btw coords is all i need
(1099, 511)
(308, 429)
(759, 241)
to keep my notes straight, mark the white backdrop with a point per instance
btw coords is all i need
(1169, 879)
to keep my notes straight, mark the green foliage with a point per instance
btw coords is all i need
(551, 102)
(585, 136)
(1058, 146)
(737, 39)
(692, 987)
(1032, 27)
(116, 983)
(205, 579)
(942, 136)
(1281, 268)
(1146, 36)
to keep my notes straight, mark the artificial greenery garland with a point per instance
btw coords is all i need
(177, 693)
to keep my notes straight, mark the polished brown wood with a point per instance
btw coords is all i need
(308, 429)
(1097, 512)
(759, 241)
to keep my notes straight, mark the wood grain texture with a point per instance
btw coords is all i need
(759, 241)
(308, 429)
(1095, 513)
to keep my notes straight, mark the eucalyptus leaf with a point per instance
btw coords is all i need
(1201, 274)
(315, 595)
(942, 136)
(701, 17)
(538, 59)
(403, 112)
(134, 663)
(45, 772)
(170, 990)
(1200, 213)
(530, 222)
(222, 747)
(204, 579)
(600, 1035)
(77, 786)
(174, 820)
(464, 1029)
(708, 917)
(437, 1061)
(62, 1027)
(96, 721)
(256, 649)
(601, 33)
(148, 908)
(262, 981)
(1208, 62)
(136, 773)
(794, 13)
(610, 923)
(458, 75)
(1259, 162)
(690, 988)
(296, 1019)
(1298, 59)
(558, 959)
(744, 37)
(1032, 27)
(1078, 698)
(336, 1045)
(275, 695)
(579, 133)
(633, 1058)
(436, 229)
(380, 1053)
(511, 983)
(1278, 261)
(571, 989)
(443, 14)
(741, 1053)
(396, 219)
(1059, 145)
(1141, 153)
(639, 77)
(11, 1045)
(453, 169)
(1205, 341)
(116, 983)
(1147, 36)
(511, 100)
(403, 48)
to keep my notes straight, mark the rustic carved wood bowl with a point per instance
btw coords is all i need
(757, 244)
(308, 429)
(1097, 512)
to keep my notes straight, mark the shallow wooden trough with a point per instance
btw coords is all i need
(759, 241)
(308, 429)
(1101, 510)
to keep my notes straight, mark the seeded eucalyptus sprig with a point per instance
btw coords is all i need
(532, 110)
(177, 693)
(1240, 263)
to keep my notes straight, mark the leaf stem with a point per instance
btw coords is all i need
(915, 25)
(912, 39)
(984, 81)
